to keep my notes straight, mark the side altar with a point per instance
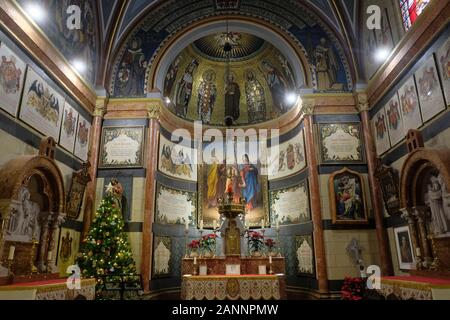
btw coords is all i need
(233, 275)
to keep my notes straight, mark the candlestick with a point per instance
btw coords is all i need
(277, 225)
(50, 255)
(32, 256)
(201, 224)
(195, 260)
(214, 224)
(186, 226)
(418, 253)
(49, 261)
(263, 223)
(270, 265)
(12, 250)
(270, 259)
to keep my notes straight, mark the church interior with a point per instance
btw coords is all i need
(225, 149)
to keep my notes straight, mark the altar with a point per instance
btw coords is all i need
(415, 288)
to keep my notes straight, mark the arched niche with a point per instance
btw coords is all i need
(32, 208)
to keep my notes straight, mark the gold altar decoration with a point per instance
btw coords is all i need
(231, 210)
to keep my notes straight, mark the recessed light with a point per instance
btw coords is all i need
(36, 12)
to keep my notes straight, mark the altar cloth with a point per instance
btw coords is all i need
(416, 288)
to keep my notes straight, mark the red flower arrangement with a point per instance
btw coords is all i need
(195, 244)
(208, 242)
(270, 243)
(353, 289)
(255, 235)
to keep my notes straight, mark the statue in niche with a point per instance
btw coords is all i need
(445, 197)
(326, 65)
(207, 96)
(232, 98)
(233, 239)
(23, 223)
(278, 86)
(256, 102)
(433, 199)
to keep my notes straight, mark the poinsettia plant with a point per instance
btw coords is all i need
(255, 241)
(208, 242)
(353, 289)
(195, 244)
(270, 244)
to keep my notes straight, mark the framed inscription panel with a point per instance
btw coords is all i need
(340, 143)
(291, 205)
(175, 206)
(162, 252)
(42, 106)
(12, 75)
(304, 253)
(122, 147)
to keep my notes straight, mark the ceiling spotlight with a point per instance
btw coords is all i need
(36, 12)
(79, 65)
(291, 98)
(381, 54)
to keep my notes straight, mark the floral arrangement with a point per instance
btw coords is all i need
(208, 243)
(195, 244)
(270, 244)
(255, 241)
(353, 289)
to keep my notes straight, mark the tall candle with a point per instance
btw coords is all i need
(418, 253)
(12, 250)
(50, 255)
(263, 223)
(201, 224)
(187, 225)
(214, 224)
(270, 259)
(195, 260)
(277, 224)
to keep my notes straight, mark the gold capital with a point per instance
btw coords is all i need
(308, 106)
(100, 107)
(362, 102)
(154, 110)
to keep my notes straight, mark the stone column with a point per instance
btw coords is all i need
(408, 214)
(94, 149)
(362, 105)
(45, 220)
(423, 214)
(314, 185)
(58, 220)
(153, 106)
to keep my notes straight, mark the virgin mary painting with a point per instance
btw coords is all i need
(250, 186)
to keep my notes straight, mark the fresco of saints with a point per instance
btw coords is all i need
(46, 104)
(232, 98)
(183, 89)
(408, 100)
(171, 76)
(349, 203)
(9, 75)
(207, 92)
(256, 102)
(380, 125)
(393, 115)
(250, 185)
(428, 83)
(278, 87)
(132, 71)
(216, 182)
(326, 65)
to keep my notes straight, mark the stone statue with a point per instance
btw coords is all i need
(445, 197)
(434, 199)
(23, 221)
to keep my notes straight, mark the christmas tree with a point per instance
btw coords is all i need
(105, 253)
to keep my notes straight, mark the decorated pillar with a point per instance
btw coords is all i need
(153, 108)
(58, 220)
(314, 185)
(423, 214)
(94, 150)
(409, 215)
(362, 105)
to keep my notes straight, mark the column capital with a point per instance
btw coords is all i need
(154, 108)
(362, 101)
(100, 107)
(308, 106)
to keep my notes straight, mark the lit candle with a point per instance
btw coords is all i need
(187, 225)
(418, 253)
(270, 259)
(50, 255)
(201, 224)
(263, 223)
(214, 224)
(195, 260)
(277, 224)
(12, 250)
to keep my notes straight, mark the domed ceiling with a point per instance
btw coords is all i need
(251, 86)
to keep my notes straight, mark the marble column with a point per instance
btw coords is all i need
(94, 149)
(153, 107)
(362, 105)
(409, 215)
(314, 185)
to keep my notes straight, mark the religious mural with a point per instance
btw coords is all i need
(380, 130)
(68, 249)
(177, 160)
(175, 206)
(347, 197)
(430, 93)
(443, 59)
(42, 106)
(82, 138)
(12, 75)
(68, 127)
(77, 43)
(246, 180)
(409, 102)
(287, 158)
(395, 123)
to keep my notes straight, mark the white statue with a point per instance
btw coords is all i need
(23, 224)
(434, 195)
(445, 197)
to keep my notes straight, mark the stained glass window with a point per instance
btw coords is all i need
(411, 9)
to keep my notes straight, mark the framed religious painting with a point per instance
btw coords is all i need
(304, 253)
(340, 143)
(430, 93)
(443, 60)
(122, 147)
(380, 130)
(12, 75)
(67, 250)
(290, 206)
(394, 122)
(82, 139)
(347, 197)
(177, 160)
(287, 158)
(68, 128)
(162, 256)
(409, 105)
(247, 182)
(175, 206)
(42, 106)
(75, 197)
(405, 252)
